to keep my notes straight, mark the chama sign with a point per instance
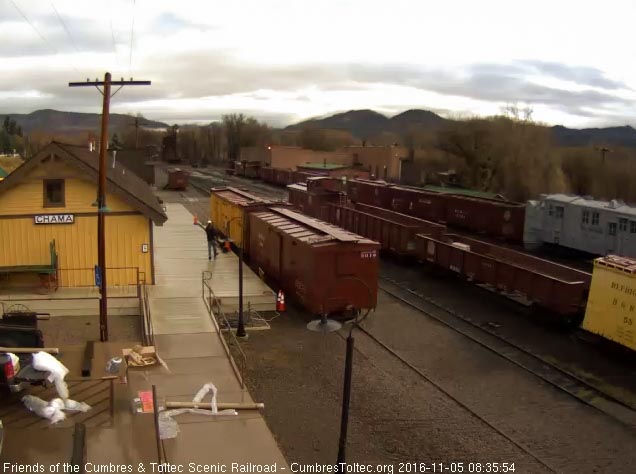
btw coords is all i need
(55, 219)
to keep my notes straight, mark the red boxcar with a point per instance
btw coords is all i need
(418, 203)
(283, 177)
(267, 175)
(322, 267)
(500, 219)
(395, 232)
(177, 179)
(555, 287)
(374, 193)
(312, 203)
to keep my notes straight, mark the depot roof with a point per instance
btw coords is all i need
(119, 180)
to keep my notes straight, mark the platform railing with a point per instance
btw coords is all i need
(123, 277)
(147, 335)
(223, 328)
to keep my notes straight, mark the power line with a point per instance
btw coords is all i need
(34, 28)
(132, 35)
(112, 34)
(65, 27)
(53, 48)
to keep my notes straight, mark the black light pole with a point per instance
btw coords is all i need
(240, 330)
(326, 325)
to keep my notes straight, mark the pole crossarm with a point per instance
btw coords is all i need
(113, 83)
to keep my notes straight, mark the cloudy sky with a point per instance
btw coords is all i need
(286, 60)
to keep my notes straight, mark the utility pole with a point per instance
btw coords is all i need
(101, 189)
(603, 151)
(136, 133)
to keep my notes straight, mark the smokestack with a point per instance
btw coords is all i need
(90, 146)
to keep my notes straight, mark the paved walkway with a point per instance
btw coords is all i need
(186, 340)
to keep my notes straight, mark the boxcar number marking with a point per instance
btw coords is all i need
(371, 254)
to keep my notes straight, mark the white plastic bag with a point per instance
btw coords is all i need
(169, 428)
(47, 363)
(51, 411)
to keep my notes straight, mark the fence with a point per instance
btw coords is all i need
(223, 328)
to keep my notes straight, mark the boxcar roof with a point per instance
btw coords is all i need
(313, 230)
(238, 197)
(120, 181)
(624, 264)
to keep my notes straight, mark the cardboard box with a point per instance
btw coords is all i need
(146, 352)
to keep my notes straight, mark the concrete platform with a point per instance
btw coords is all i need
(187, 341)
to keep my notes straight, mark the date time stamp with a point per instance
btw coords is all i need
(403, 468)
(418, 467)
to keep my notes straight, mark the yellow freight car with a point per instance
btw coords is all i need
(611, 306)
(228, 208)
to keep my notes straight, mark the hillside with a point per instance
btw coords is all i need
(56, 121)
(361, 123)
(364, 124)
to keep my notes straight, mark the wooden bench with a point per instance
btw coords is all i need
(47, 272)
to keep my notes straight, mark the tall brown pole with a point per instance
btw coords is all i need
(101, 190)
(101, 209)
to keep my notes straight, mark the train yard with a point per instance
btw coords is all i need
(446, 371)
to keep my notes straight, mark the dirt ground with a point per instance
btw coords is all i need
(68, 330)
(396, 416)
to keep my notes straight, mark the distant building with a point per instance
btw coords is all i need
(290, 157)
(384, 162)
(334, 170)
(51, 198)
(582, 223)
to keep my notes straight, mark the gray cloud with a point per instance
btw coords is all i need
(192, 75)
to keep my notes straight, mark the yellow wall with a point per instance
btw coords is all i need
(25, 243)
(28, 198)
(611, 307)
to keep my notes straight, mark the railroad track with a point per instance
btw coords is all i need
(534, 364)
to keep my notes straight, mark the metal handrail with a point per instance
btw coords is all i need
(216, 313)
(146, 319)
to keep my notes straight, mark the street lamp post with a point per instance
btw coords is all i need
(240, 330)
(326, 325)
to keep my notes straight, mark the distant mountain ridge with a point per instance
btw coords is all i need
(365, 124)
(58, 121)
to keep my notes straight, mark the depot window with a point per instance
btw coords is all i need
(53, 193)
(622, 224)
(632, 227)
(559, 212)
(612, 228)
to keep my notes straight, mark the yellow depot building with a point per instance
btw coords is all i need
(48, 221)
(611, 306)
